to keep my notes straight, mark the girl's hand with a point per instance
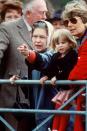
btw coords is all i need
(13, 78)
(53, 81)
(24, 49)
(43, 79)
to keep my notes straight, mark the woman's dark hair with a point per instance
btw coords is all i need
(15, 5)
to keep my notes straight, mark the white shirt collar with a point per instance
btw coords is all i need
(28, 26)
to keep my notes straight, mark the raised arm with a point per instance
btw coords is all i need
(39, 60)
(24, 50)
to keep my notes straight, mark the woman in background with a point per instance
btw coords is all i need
(11, 10)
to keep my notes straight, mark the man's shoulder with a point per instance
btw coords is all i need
(11, 24)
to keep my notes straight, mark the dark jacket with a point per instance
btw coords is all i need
(61, 67)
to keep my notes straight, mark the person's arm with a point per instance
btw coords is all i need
(41, 61)
(79, 72)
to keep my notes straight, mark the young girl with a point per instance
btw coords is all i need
(62, 62)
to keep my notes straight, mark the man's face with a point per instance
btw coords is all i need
(12, 14)
(38, 12)
(38, 15)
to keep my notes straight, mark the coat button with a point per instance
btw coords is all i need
(60, 71)
(78, 57)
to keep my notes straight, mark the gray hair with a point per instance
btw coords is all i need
(75, 8)
(44, 25)
(29, 6)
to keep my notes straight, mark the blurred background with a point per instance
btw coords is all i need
(55, 3)
(58, 3)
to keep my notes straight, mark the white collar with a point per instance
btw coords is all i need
(28, 26)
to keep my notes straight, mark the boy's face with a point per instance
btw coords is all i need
(62, 46)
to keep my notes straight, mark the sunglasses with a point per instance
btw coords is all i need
(72, 20)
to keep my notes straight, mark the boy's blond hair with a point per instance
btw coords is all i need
(67, 36)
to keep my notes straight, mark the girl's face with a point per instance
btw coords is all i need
(39, 39)
(75, 25)
(62, 46)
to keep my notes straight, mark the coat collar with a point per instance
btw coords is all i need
(23, 30)
(84, 37)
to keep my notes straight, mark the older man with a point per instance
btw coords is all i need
(12, 34)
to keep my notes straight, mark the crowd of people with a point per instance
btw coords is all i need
(37, 47)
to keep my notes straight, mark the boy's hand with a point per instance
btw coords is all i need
(53, 81)
(43, 79)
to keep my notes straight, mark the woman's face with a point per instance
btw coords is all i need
(75, 25)
(39, 39)
(12, 14)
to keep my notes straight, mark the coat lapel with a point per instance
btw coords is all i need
(26, 35)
